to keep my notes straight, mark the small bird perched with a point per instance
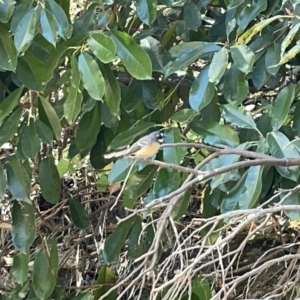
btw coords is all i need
(145, 147)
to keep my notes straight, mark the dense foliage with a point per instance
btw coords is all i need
(219, 77)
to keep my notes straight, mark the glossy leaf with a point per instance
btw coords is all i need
(215, 133)
(235, 85)
(44, 132)
(281, 106)
(9, 103)
(289, 38)
(72, 104)
(43, 277)
(106, 277)
(26, 30)
(186, 53)
(133, 56)
(126, 137)
(23, 226)
(173, 155)
(78, 213)
(112, 95)
(191, 15)
(88, 128)
(272, 58)
(166, 182)
(202, 91)
(243, 57)
(116, 241)
(30, 140)
(51, 117)
(218, 66)
(237, 117)
(92, 77)
(10, 125)
(102, 46)
(138, 184)
(18, 180)
(249, 12)
(183, 115)
(281, 147)
(120, 170)
(6, 10)
(20, 267)
(8, 52)
(49, 180)
(182, 205)
(61, 18)
(146, 10)
(49, 26)
(290, 54)
(135, 239)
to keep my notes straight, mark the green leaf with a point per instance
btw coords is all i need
(44, 132)
(106, 276)
(18, 180)
(92, 77)
(235, 85)
(23, 226)
(281, 147)
(49, 180)
(182, 205)
(133, 56)
(49, 26)
(138, 184)
(78, 214)
(146, 10)
(51, 117)
(186, 53)
(10, 125)
(281, 106)
(9, 103)
(135, 239)
(272, 58)
(120, 170)
(252, 187)
(6, 10)
(215, 133)
(237, 117)
(3, 181)
(289, 38)
(43, 277)
(116, 241)
(183, 115)
(8, 52)
(243, 57)
(290, 54)
(88, 128)
(103, 47)
(53, 255)
(166, 182)
(20, 267)
(249, 13)
(21, 9)
(72, 104)
(126, 137)
(112, 95)
(218, 66)
(30, 140)
(65, 30)
(173, 155)
(202, 91)
(26, 30)
(191, 16)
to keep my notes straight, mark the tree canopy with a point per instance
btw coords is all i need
(81, 78)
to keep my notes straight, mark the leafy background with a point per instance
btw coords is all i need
(213, 216)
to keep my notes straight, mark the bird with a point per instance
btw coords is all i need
(145, 147)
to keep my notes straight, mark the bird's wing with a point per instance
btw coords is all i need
(142, 142)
